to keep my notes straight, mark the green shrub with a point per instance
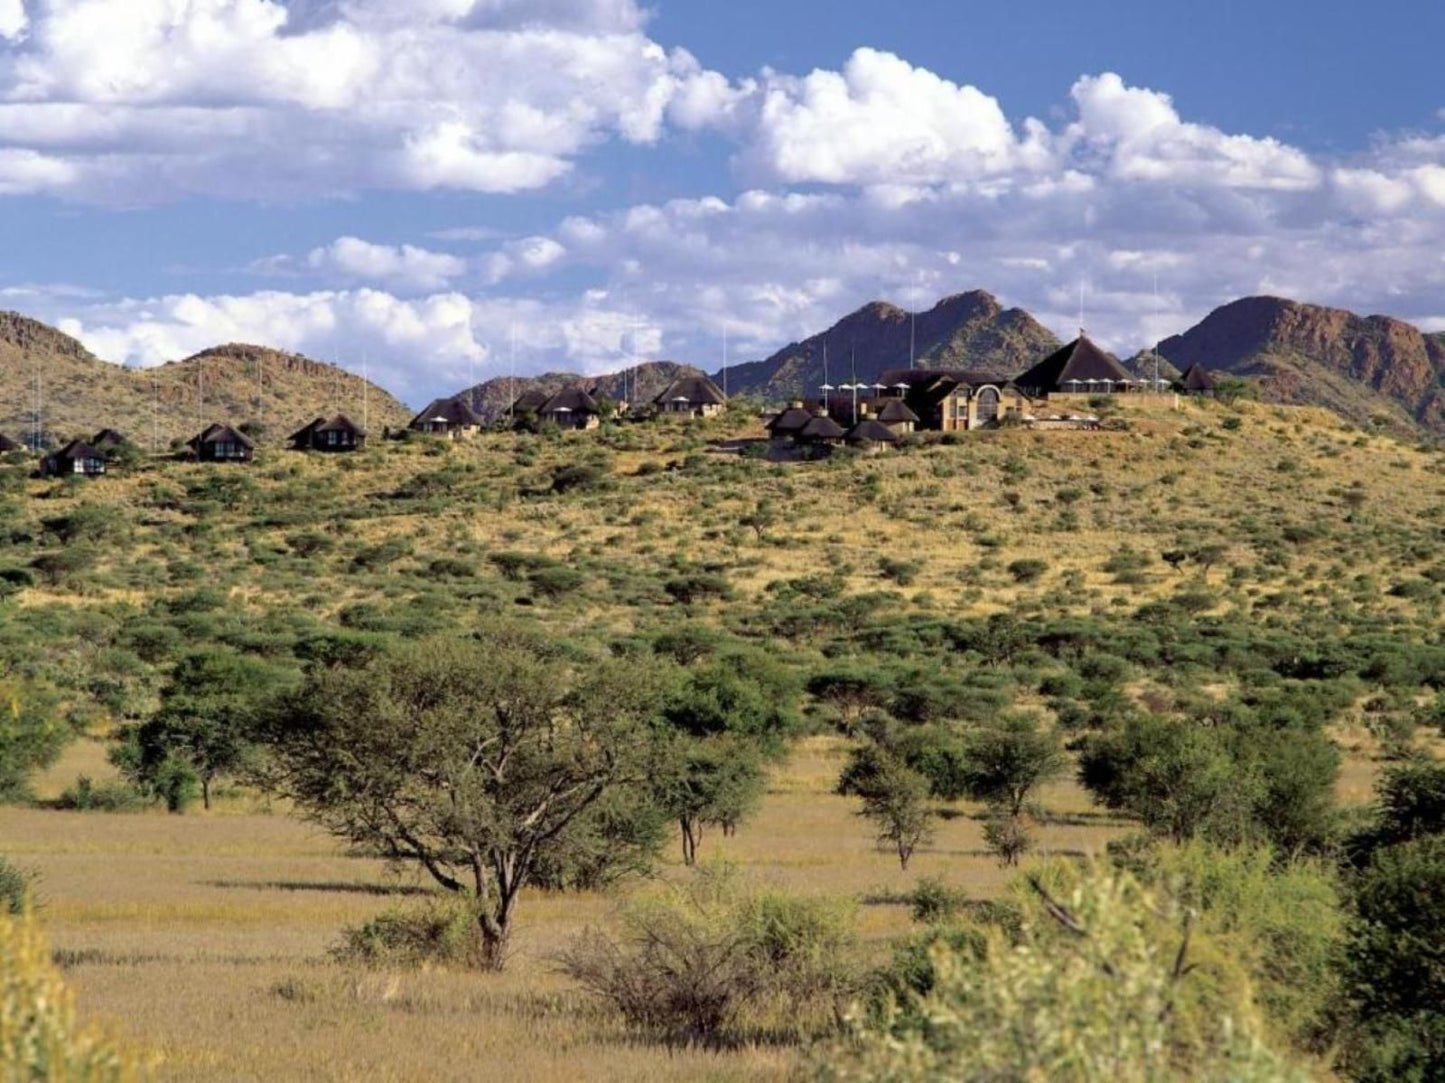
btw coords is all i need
(440, 933)
(718, 959)
(85, 795)
(934, 901)
(556, 581)
(1396, 968)
(1026, 571)
(902, 572)
(17, 888)
(1094, 984)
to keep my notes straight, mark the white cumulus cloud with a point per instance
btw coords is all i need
(13, 20)
(148, 100)
(1141, 137)
(881, 120)
(351, 257)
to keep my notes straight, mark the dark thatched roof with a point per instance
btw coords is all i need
(789, 422)
(452, 412)
(872, 431)
(221, 434)
(341, 423)
(8, 445)
(530, 401)
(303, 434)
(1198, 378)
(572, 400)
(77, 449)
(821, 428)
(895, 411)
(1080, 361)
(694, 390)
(108, 440)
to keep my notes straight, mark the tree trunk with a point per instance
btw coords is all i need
(206, 792)
(496, 930)
(691, 835)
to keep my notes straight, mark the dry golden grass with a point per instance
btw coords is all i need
(204, 937)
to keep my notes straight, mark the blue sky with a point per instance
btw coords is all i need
(412, 180)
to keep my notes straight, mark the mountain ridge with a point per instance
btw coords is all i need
(1365, 368)
(82, 394)
(1368, 369)
(969, 331)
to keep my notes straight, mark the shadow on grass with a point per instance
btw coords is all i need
(1046, 818)
(341, 887)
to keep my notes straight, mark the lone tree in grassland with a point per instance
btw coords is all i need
(709, 781)
(477, 760)
(896, 800)
(1005, 761)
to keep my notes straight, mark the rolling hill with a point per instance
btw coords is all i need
(647, 380)
(80, 393)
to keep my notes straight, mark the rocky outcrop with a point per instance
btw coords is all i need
(1364, 367)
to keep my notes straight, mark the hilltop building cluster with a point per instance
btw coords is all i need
(868, 416)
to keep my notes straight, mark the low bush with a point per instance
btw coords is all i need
(440, 933)
(17, 888)
(934, 901)
(1026, 571)
(86, 795)
(718, 960)
(1095, 983)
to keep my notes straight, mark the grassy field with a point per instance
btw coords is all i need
(204, 937)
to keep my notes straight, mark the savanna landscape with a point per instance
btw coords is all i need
(631, 754)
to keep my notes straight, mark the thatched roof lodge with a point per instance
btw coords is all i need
(8, 445)
(75, 458)
(530, 401)
(1080, 368)
(871, 434)
(340, 434)
(571, 408)
(222, 444)
(896, 414)
(447, 417)
(821, 431)
(784, 428)
(694, 396)
(1197, 380)
(109, 443)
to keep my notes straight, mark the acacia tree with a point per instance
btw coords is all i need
(1177, 777)
(711, 781)
(1005, 761)
(476, 760)
(851, 690)
(895, 798)
(204, 723)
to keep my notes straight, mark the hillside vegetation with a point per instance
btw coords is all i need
(81, 394)
(1206, 635)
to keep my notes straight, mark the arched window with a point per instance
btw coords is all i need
(988, 403)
